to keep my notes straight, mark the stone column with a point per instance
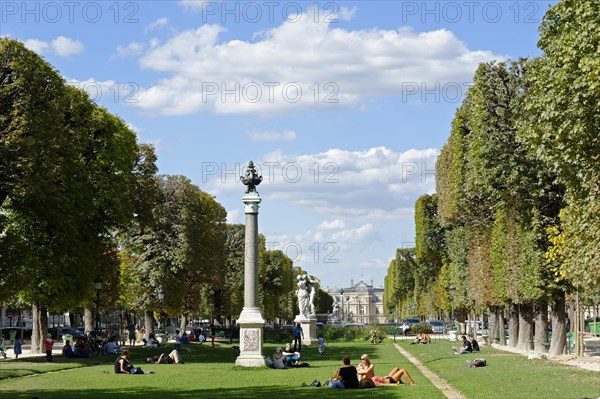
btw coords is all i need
(251, 322)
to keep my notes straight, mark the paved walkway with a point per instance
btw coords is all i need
(442, 385)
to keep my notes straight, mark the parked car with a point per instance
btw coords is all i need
(437, 326)
(319, 325)
(407, 323)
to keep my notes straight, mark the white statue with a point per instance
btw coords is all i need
(306, 293)
(335, 311)
(303, 295)
(312, 293)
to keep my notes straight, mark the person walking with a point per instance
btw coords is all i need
(17, 348)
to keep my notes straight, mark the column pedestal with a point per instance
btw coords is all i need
(251, 338)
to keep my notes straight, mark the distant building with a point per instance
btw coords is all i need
(359, 303)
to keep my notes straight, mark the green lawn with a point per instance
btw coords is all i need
(210, 373)
(507, 375)
(207, 373)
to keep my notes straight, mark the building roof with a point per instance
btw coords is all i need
(358, 288)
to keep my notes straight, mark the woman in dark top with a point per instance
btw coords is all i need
(474, 343)
(345, 377)
(122, 365)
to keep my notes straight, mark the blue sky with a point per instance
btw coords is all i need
(343, 105)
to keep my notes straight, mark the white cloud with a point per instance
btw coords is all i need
(355, 237)
(133, 127)
(234, 216)
(287, 135)
(332, 224)
(39, 46)
(108, 90)
(131, 49)
(303, 64)
(61, 46)
(377, 184)
(347, 14)
(159, 23)
(192, 4)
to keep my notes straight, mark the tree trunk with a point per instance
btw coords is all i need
(502, 336)
(540, 340)
(88, 317)
(558, 344)
(36, 338)
(149, 323)
(525, 327)
(494, 324)
(513, 325)
(570, 309)
(182, 323)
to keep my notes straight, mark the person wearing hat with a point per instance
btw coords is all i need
(278, 358)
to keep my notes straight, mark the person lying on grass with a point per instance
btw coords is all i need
(165, 358)
(366, 369)
(394, 377)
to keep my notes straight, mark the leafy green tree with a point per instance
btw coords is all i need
(233, 288)
(563, 128)
(429, 253)
(67, 185)
(275, 285)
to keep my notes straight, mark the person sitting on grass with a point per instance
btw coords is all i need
(185, 339)
(466, 348)
(165, 358)
(82, 349)
(291, 358)
(365, 369)
(111, 346)
(394, 377)
(152, 341)
(123, 366)
(474, 343)
(278, 359)
(67, 351)
(345, 377)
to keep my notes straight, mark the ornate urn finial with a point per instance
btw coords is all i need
(252, 179)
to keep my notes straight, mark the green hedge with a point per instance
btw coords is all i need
(420, 328)
(352, 334)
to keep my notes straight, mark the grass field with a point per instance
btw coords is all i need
(211, 373)
(207, 373)
(507, 375)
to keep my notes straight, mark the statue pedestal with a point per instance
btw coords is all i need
(309, 328)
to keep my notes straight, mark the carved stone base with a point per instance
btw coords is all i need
(309, 328)
(251, 338)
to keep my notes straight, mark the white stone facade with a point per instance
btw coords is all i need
(359, 303)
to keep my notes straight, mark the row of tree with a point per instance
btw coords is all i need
(80, 199)
(515, 220)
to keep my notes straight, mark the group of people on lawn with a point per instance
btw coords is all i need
(124, 366)
(363, 376)
(470, 345)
